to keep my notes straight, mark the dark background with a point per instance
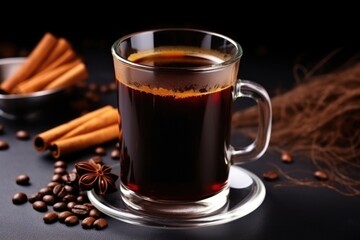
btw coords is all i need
(293, 29)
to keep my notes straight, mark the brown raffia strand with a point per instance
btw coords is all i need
(320, 119)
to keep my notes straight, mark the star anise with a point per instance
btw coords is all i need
(96, 176)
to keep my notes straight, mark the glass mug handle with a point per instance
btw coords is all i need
(257, 148)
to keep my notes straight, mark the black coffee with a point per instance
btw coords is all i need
(174, 143)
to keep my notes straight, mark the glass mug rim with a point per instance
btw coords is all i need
(234, 57)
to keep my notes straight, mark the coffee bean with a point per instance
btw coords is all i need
(100, 151)
(88, 222)
(71, 220)
(60, 164)
(35, 197)
(57, 178)
(23, 179)
(22, 135)
(286, 157)
(50, 217)
(1, 128)
(59, 191)
(80, 210)
(81, 199)
(70, 189)
(115, 154)
(70, 205)
(100, 223)
(4, 145)
(49, 199)
(59, 207)
(69, 198)
(40, 206)
(64, 215)
(95, 213)
(270, 175)
(59, 170)
(51, 185)
(321, 175)
(89, 205)
(112, 86)
(19, 198)
(104, 88)
(45, 190)
(70, 178)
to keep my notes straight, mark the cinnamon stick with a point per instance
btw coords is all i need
(107, 118)
(76, 143)
(42, 141)
(60, 48)
(40, 80)
(32, 62)
(75, 74)
(67, 56)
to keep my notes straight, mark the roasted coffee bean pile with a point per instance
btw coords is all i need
(61, 200)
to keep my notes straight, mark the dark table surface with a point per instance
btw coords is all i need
(286, 213)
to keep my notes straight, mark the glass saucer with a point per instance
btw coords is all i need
(247, 192)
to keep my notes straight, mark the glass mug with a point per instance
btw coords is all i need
(176, 89)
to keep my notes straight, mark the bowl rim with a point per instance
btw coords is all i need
(17, 60)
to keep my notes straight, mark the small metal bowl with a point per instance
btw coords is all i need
(24, 106)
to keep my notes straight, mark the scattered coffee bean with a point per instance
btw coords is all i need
(93, 87)
(35, 197)
(59, 206)
(100, 151)
(45, 190)
(71, 220)
(59, 190)
(40, 206)
(56, 178)
(4, 145)
(22, 135)
(59, 170)
(70, 178)
(80, 210)
(100, 223)
(112, 87)
(52, 184)
(69, 198)
(70, 205)
(270, 175)
(321, 175)
(115, 154)
(1, 128)
(19, 198)
(71, 189)
(286, 157)
(23, 179)
(81, 199)
(49, 199)
(95, 213)
(64, 215)
(60, 164)
(88, 222)
(50, 217)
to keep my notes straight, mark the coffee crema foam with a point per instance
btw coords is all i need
(171, 93)
(176, 51)
(178, 57)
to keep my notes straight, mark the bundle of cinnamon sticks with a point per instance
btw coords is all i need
(91, 129)
(52, 64)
